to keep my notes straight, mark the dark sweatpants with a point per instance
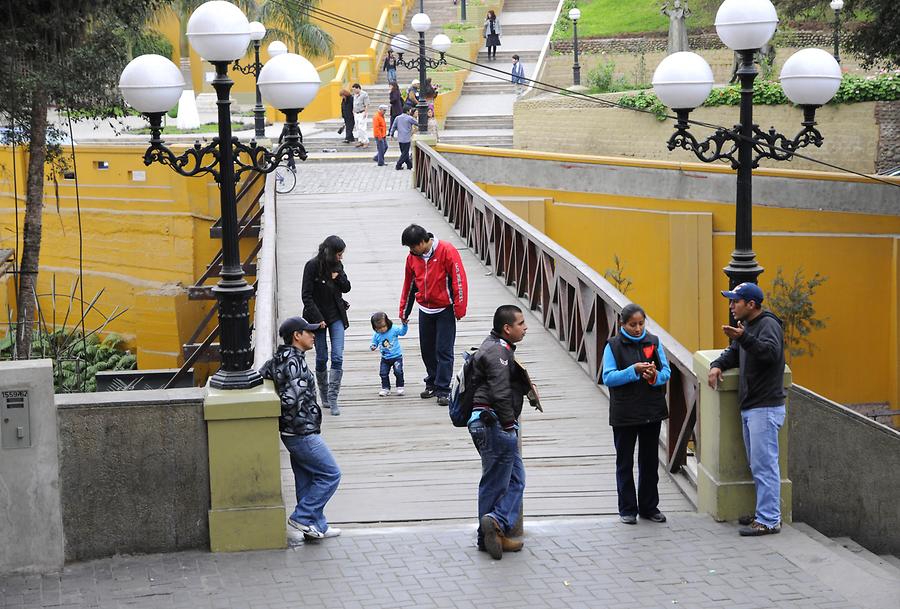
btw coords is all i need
(646, 501)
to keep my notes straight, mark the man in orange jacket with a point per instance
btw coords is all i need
(435, 279)
(379, 130)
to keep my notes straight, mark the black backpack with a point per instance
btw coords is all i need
(463, 391)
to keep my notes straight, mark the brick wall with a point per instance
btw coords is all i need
(887, 116)
(697, 42)
(552, 124)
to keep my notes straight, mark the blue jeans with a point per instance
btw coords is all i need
(336, 331)
(382, 146)
(316, 477)
(502, 474)
(384, 371)
(761, 427)
(404, 159)
(437, 337)
(646, 500)
(392, 74)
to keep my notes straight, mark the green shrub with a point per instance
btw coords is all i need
(151, 42)
(603, 79)
(854, 89)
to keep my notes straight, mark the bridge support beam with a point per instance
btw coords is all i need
(725, 487)
(246, 508)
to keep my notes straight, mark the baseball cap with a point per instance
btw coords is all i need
(294, 324)
(745, 291)
(382, 107)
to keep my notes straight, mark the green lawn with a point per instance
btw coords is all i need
(614, 17)
(205, 128)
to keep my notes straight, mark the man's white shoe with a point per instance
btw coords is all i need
(332, 532)
(400, 391)
(308, 530)
(384, 392)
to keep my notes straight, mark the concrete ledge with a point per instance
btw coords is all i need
(239, 530)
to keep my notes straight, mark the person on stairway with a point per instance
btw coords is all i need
(323, 287)
(492, 33)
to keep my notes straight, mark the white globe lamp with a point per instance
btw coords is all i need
(811, 77)
(745, 25)
(151, 84)
(574, 14)
(682, 81)
(219, 31)
(289, 82)
(420, 22)
(441, 43)
(276, 48)
(837, 5)
(400, 44)
(257, 31)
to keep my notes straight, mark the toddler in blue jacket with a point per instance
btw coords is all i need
(387, 340)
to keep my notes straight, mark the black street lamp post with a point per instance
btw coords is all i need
(683, 81)
(837, 6)
(152, 85)
(257, 33)
(575, 15)
(400, 44)
(462, 10)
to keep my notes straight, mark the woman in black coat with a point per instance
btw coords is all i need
(396, 101)
(324, 284)
(636, 371)
(347, 114)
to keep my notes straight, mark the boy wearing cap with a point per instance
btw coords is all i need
(316, 474)
(757, 350)
(379, 131)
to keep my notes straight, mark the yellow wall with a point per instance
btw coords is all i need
(675, 262)
(143, 241)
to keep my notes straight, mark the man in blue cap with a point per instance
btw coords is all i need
(316, 474)
(757, 349)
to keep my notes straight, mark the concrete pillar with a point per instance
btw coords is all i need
(31, 533)
(247, 510)
(725, 487)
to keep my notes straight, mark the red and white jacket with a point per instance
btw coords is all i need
(435, 283)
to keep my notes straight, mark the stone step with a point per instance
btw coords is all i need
(529, 5)
(473, 140)
(479, 122)
(852, 553)
(504, 57)
(877, 562)
(488, 88)
(526, 29)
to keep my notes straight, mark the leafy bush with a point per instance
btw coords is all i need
(460, 26)
(151, 42)
(76, 359)
(791, 299)
(854, 89)
(603, 79)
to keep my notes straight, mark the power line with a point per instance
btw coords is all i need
(360, 29)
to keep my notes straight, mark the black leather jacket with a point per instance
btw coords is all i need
(296, 386)
(322, 297)
(501, 383)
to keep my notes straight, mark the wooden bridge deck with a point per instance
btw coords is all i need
(401, 458)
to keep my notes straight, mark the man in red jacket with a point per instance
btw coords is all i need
(436, 279)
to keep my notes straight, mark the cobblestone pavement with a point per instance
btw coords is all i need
(689, 562)
(320, 177)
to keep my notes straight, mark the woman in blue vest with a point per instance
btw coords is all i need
(635, 370)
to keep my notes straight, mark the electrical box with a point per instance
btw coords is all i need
(15, 419)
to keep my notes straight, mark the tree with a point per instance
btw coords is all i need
(66, 55)
(292, 20)
(792, 301)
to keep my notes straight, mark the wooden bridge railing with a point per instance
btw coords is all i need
(575, 302)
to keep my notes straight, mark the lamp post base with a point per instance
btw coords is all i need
(235, 379)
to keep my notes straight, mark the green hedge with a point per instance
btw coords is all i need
(854, 89)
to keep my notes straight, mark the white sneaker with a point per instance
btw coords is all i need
(384, 392)
(332, 532)
(308, 530)
(400, 391)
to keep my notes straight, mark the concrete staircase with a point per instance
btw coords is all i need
(483, 115)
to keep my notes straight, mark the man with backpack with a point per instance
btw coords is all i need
(499, 387)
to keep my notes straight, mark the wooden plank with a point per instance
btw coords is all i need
(401, 458)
